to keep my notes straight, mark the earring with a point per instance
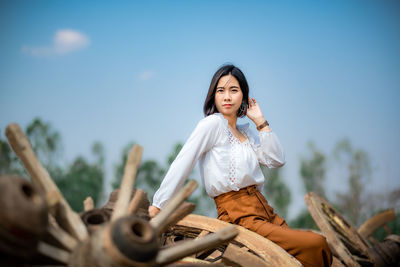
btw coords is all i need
(242, 107)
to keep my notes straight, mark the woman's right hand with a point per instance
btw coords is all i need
(153, 211)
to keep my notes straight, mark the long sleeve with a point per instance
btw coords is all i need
(268, 149)
(200, 141)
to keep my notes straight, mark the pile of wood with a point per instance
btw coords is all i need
(351, 246)
(39, 228)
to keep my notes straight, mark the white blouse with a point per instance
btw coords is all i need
(226, 164)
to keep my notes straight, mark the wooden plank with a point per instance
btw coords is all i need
(53, 200)
(161, 219)
(54, 253)
(139, 197)
(266, 249)
(61, 236)
(378, 220)
(315, 205)
(236, 255)
(128, 180)
(65, 216)
(202, 233)
(186, 248)
(336, 262)
(183, 210)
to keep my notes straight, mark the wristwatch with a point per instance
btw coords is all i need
(262, 125)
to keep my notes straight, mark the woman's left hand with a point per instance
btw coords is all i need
(254, 112)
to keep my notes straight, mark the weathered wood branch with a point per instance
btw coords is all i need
(184, 209)
(234, 254)
(343, 239)
(60, 235)
(187, 248)
(266, 249)
(161, 219)
(52, 252)
(138, 198)
(128, 180)
(65, 216)
(375, 222)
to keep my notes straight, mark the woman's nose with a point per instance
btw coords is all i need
(227, 96)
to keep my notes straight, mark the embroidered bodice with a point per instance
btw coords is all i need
(225, 163)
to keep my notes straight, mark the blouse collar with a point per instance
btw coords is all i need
(242, 127)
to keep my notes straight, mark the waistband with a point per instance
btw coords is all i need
(234, 194)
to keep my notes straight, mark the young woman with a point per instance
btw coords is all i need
(229, 156)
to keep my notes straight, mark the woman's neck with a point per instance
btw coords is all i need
(231, 120)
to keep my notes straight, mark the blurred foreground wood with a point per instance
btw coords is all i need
(65, 216)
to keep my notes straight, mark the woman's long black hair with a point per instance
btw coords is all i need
(209, 105)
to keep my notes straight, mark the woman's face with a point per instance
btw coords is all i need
(228, 95)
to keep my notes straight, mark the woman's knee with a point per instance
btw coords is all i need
(316, 251)
(317, 241)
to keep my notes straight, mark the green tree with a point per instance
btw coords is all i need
(351, 203)
(303, 221)
(9, 163)
(81, 180)
(151, 173)
(174, 153)
(119, 168)
(148, 177)
(312, 172)
(276, 190)
(45, 141)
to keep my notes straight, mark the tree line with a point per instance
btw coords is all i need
(84, 177)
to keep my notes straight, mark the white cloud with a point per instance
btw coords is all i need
(146, 75)
(64, 41)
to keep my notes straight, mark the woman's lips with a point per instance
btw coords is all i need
(227, 105)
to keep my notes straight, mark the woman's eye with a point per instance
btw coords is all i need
(220, 91)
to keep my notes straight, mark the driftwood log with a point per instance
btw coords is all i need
(160, 221)
(250, 243)
(131, 241)
(141, 206)
(128, 180)
(379, 220)
(345, 242)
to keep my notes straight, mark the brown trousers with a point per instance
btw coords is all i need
(248, 208)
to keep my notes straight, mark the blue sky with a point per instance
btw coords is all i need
(139, 70)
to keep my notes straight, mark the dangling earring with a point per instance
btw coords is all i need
(242, 107)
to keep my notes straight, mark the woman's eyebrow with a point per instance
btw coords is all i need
(233, 86)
